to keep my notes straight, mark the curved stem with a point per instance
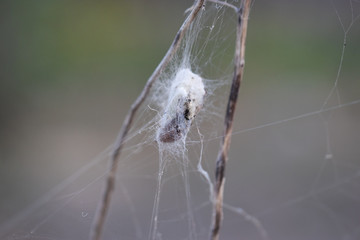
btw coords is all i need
(225, 4)
(243, 15)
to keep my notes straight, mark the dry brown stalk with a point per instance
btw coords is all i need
(243, 15)
(104, 204)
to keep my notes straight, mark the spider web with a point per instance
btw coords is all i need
(294, 168)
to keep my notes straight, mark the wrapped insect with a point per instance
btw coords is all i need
(185, 100)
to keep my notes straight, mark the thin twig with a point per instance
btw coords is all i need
(252, 219)
(104, 204)
(243, 15)
(224, 3)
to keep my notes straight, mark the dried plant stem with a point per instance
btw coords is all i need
(104, 204)
(224, 4)
(243, 15)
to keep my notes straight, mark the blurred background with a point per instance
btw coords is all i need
(69, 71)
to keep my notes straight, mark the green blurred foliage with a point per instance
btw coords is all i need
(120, 42)
(105, 42)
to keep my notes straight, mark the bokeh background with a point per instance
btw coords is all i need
(69, 71)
